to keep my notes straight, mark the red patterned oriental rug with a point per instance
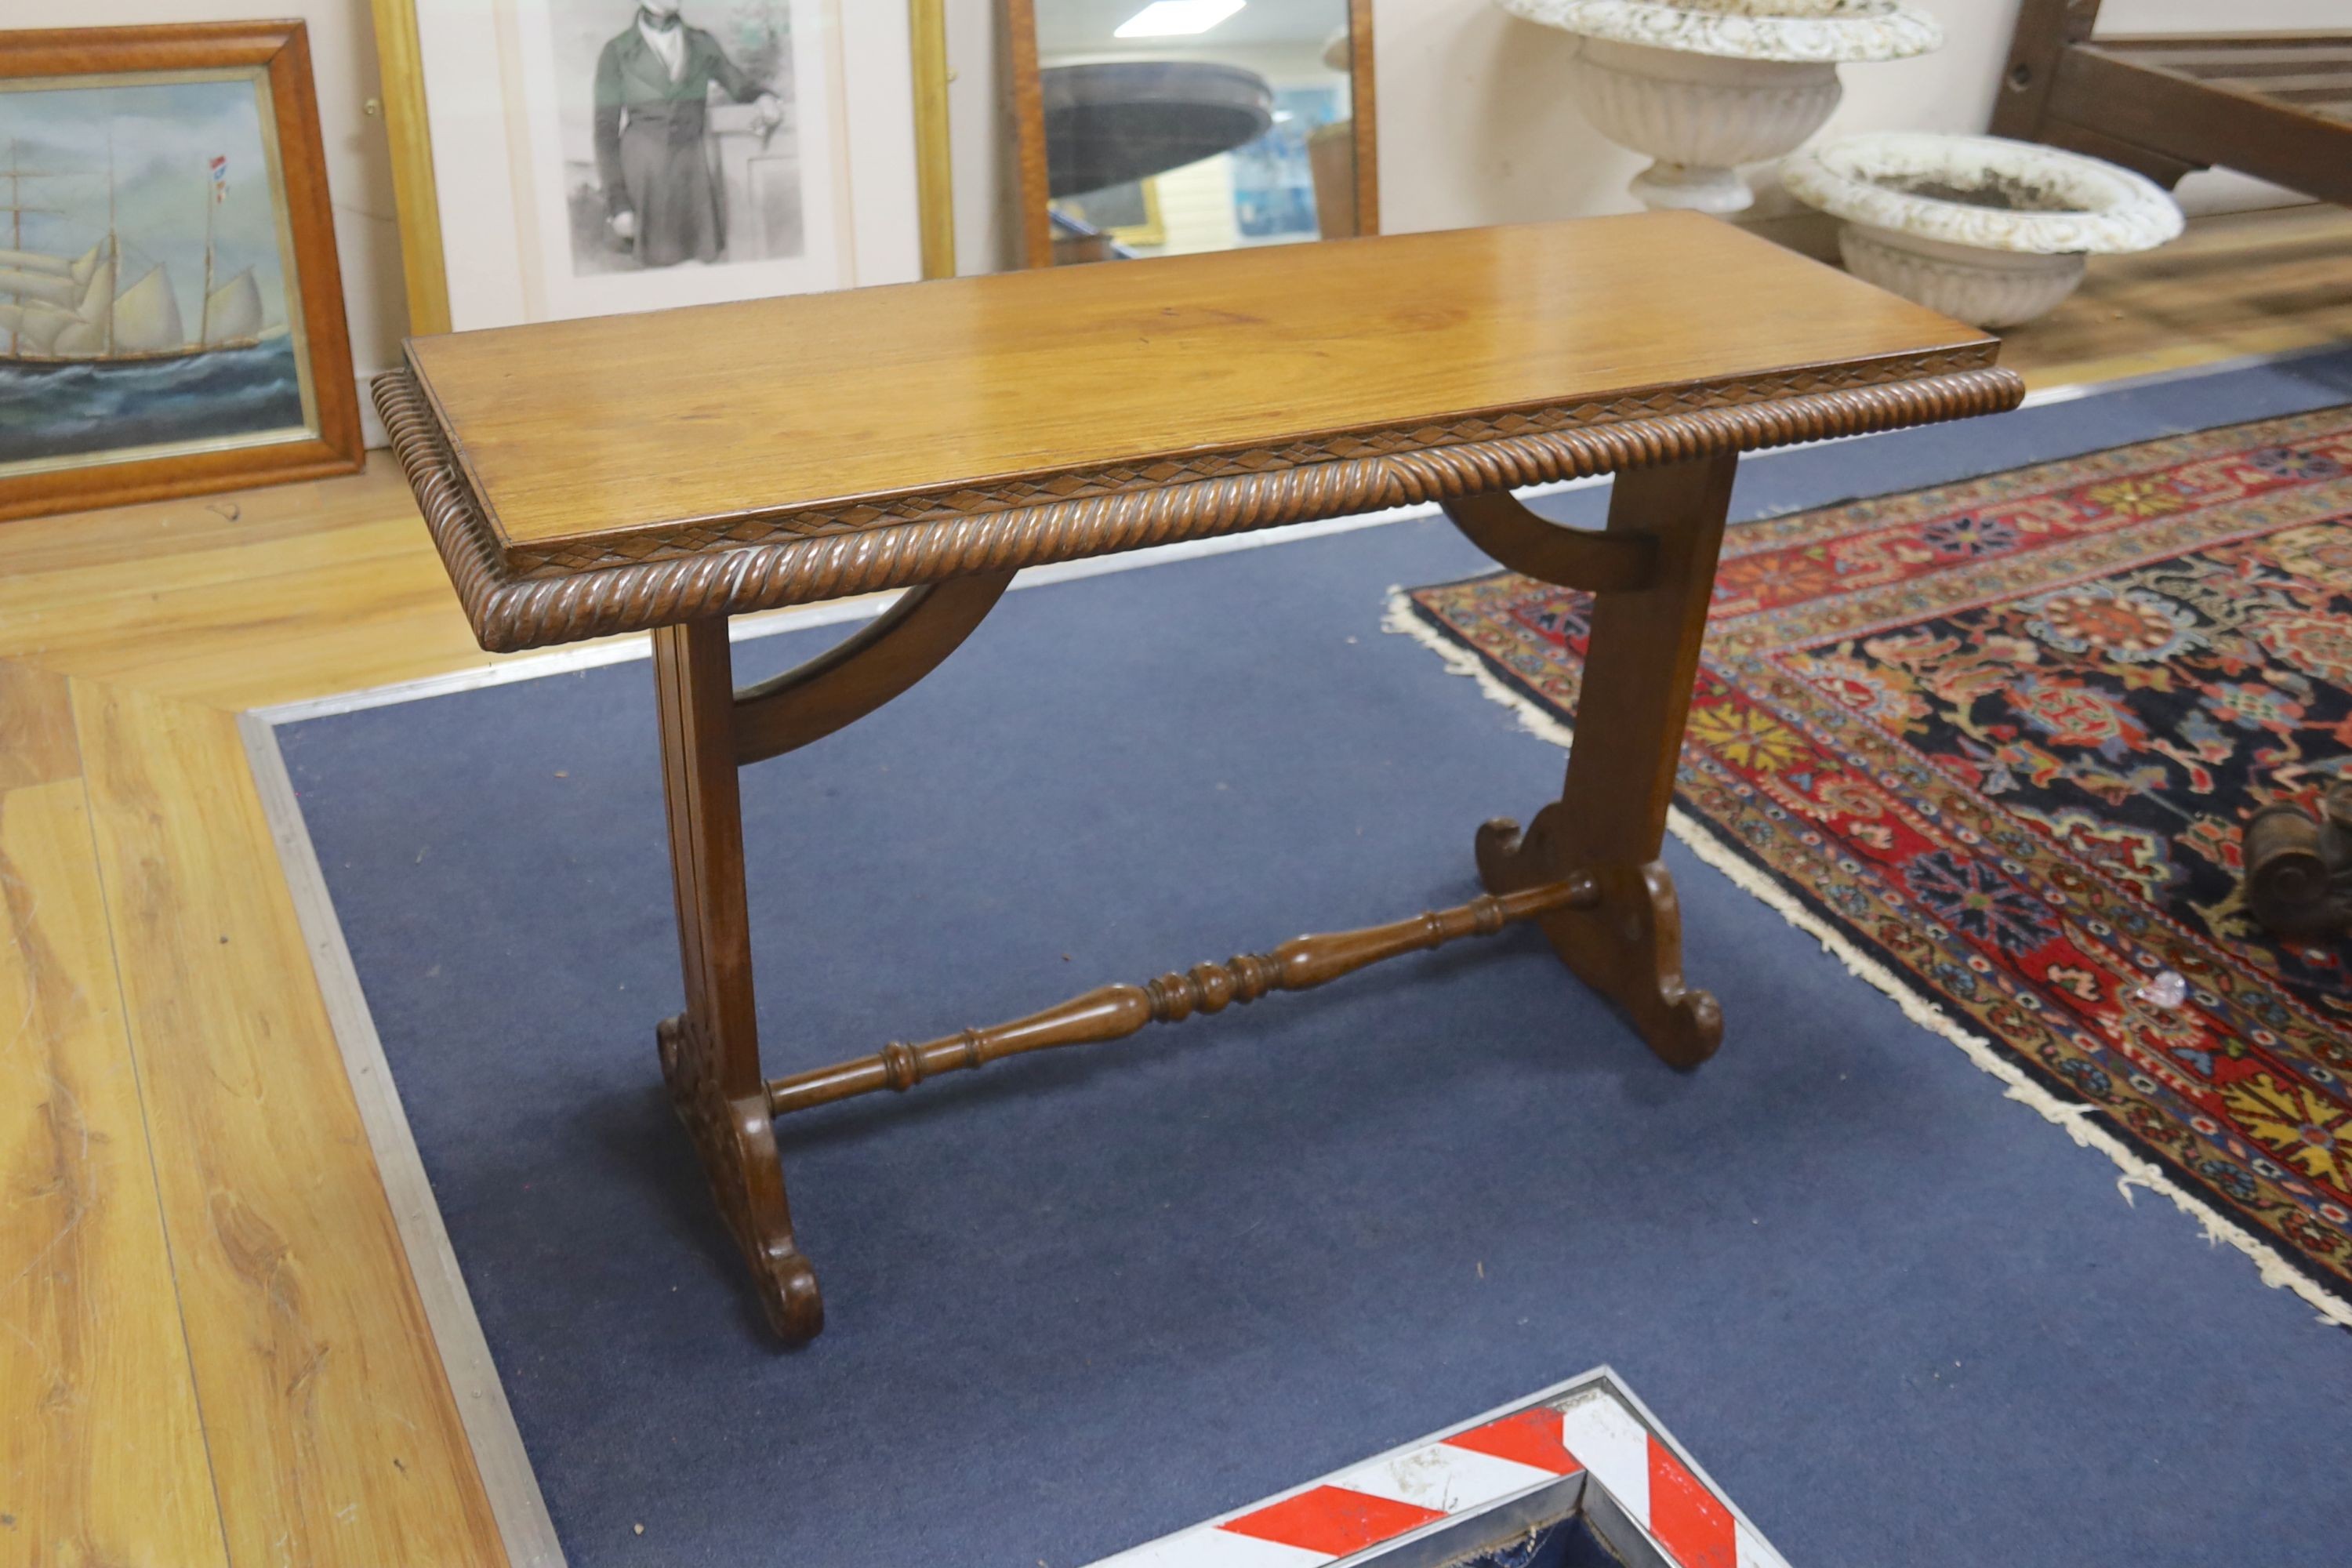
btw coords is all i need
(1995, 742)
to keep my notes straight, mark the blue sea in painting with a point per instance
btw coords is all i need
(93, 408)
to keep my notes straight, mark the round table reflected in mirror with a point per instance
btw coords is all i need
(1111, 121)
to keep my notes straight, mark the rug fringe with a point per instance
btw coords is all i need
(2072, 1116)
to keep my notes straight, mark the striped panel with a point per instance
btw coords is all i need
(1383, 1498)
(1691, 1522)
(1614, 1445)
(1530, 1438)
(1209, 1547)
(1334, 1521)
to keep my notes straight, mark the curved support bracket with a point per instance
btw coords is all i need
(1497, 523)
(846, 683)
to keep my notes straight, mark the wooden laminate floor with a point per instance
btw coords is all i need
(215, 1353)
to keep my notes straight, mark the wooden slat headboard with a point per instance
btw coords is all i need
(2275, 105)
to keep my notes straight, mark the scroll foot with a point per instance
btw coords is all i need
(1628, 947)
(737, 1141)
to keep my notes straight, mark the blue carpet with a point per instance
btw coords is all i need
(1077, 1300)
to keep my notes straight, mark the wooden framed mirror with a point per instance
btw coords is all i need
(1166, 127)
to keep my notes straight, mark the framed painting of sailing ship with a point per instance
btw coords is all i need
(561, 158)
(171, 310)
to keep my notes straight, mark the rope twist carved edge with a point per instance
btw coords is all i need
(508, 612)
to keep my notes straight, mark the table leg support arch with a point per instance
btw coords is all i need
(882, 661)
(1500, 523)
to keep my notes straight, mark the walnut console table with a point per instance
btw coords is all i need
(663, 472)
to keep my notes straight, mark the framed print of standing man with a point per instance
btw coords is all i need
(663, 198)
(586, 157)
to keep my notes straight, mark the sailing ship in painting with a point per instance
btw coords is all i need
(101, 351)
(68, 309)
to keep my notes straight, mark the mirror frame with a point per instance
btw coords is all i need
(1036, 227)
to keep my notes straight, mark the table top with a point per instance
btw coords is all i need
(622, 440)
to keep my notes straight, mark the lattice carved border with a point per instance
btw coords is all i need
(509, 611)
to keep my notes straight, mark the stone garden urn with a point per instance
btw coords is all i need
(1707, 85)
(1988, 231)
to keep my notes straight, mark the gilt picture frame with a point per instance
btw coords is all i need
(170, 302)
(1343, 165)
(563, 158)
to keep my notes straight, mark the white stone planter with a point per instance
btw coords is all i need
(1700, 116)
(1983, 288)
(1708, 85)
(1990, 231)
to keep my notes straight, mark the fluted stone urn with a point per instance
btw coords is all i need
(1707, 85)
(1988, 231)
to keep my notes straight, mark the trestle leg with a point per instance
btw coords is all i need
(1611, 819)
(710, 1053)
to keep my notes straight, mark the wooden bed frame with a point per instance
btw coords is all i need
(2275, 105)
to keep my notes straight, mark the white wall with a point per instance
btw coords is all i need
(1475, 126)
